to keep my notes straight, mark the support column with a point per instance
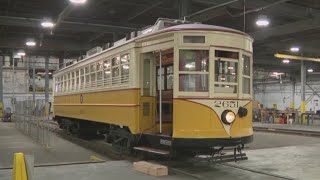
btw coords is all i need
(46, 83)
(303, 87)
(1, 79)
(293, 92)
(183, 8)
(33, 80)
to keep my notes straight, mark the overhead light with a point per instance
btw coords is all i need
(262, 21)
(31, 43)
(78, 1)
(286, 61)
(46, 23)
(310, 70)
(275, 74)
(21, 53)
(294, 49)
(230, 68)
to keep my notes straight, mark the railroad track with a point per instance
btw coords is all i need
(105, 149)
(288, 131)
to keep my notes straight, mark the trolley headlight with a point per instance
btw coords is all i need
(228, 117)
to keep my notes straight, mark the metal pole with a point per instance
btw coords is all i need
(293, 89)
(160, 92)
(1, 78)
(13, 88)
(303, 89)
(47, 80)
(33, 84)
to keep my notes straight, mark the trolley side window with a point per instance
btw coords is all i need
(226, 72)
(125, 66)
(107, 72)
(193, 70)
(246, 78)
(99, 73)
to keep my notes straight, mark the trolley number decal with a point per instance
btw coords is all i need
(226, 104)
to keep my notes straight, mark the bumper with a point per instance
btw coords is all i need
(210, 142)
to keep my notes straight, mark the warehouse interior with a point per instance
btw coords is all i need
(38, 38)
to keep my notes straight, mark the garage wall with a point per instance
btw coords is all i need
(280, 94)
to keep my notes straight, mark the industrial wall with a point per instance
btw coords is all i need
(280, 94)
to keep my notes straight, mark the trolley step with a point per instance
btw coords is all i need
(152, 150)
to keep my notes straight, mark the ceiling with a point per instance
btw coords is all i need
(79, 28)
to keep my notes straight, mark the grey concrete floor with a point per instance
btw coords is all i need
(61, 151)
(288, 126)
(286, 155)
(271, 140)
(299, 162)
(123, 170)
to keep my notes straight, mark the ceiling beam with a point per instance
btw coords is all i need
(65, 25)
(144, 10)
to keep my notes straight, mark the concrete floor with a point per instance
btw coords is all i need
(288, 126)
(62, 151)
(264, 140)
(285, 155)
(299, 162)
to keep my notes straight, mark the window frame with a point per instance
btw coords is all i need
(243, 95)
(177, 62)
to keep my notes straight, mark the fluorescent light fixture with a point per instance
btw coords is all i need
(295, 49)
(286, 61)
(230, 68)
(262, 21)
(78, 1)
(276, 74)
(310, 70)
(47, 24)
(31, 43)
(21, 53)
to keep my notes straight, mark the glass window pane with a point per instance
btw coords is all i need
(223, 88)
(107, 64)
(125, 69)
(93, 67)
(107, 74)
(194, 39)
(246, 65)
(87, 69)
(194, 60)
(246, 85)
(193, 82)
(99, 76)
(227, 54)
(77, 73)
(99, 65)
(170, 81)
(82, 80)
(125, 58)
(115, 72)
(115, 61)
(170, 70)
(87, 78)
(93, 77)
(226, 71)
(81, 71)
(158, 82)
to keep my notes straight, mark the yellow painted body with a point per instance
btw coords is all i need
(193, 120)
(118, 107)
(125, 108)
